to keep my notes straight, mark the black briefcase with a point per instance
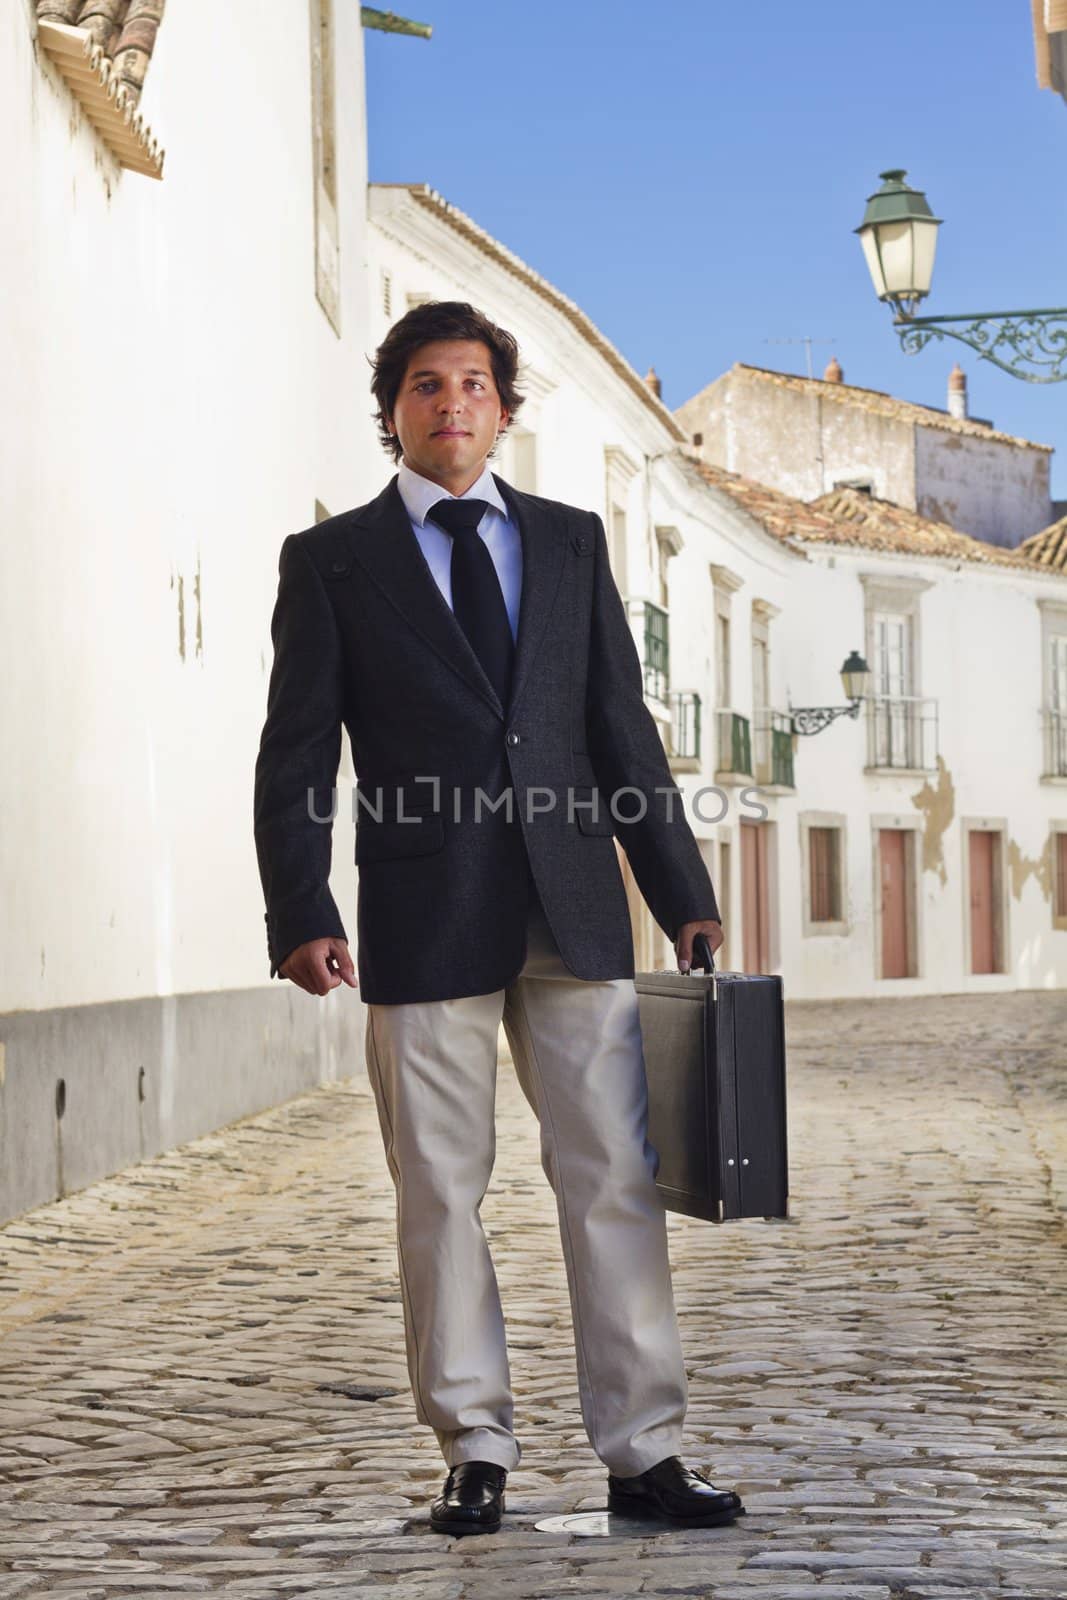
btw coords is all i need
(714, 1046)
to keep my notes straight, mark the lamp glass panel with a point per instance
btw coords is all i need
(896, 241)
(855, 684)
(869, 241)
(925, 235)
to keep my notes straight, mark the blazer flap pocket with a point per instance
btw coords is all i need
(390, 840)
(391, 802)
(591, 811)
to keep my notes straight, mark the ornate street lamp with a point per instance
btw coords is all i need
(899, 238)
(855, 676)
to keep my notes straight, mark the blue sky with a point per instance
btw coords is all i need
(690, 173)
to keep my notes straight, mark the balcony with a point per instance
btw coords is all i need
(1055, 745)
(901, 734)
(734, 760)
(683, 738)
(654, 640)
(773, 750)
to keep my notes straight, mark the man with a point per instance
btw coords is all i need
(472, 641)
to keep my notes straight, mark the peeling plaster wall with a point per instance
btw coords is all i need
(804, 444)
(984, 487)
(800, 443)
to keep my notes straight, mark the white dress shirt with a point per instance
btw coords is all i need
(497, 530)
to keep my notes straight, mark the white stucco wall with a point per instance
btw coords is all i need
(179, 401)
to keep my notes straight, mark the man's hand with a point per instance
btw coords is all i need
(683, 945)
(320, 965)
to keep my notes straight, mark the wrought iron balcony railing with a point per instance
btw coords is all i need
(773, 748)
(902, 733)
(685, 725)
(735, 744)
(1055, 744)
(654, 640)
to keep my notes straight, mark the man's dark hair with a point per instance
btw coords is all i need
(440, 319)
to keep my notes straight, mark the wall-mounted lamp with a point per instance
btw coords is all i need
(899, 238)
(855, 676)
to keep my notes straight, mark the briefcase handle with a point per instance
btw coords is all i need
(702, 956)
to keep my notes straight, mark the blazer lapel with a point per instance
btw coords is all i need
(386, 548)
(542, 530)
(388, 551)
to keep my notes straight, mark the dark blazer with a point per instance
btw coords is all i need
(363, 637)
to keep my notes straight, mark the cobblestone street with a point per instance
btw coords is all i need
(202, 1385)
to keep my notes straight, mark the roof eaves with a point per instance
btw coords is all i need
(467, 228)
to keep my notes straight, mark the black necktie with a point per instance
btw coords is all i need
(477, 598)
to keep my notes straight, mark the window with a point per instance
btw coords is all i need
(902, 727)
(1054, 688)
(663, 558)
(617, 540)
(324, 154)
(1056, 714)
(822, 847)
(726, 584)
(861, 485)
(891, 667)
(619, 474)
(723, 685)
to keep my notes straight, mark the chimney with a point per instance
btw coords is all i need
(833, 373)
(957, 392)
(653, 380)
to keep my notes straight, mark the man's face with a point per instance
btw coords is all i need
(448, 413)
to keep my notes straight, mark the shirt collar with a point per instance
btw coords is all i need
(420, 495)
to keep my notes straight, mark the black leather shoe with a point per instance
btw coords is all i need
(472, 1499)
(670, 1491)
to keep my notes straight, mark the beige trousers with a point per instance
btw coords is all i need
(578, 1057)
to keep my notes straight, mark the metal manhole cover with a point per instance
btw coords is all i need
(595, 1525)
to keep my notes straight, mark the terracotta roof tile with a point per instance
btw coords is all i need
(850, 517)
(1049, 547)
(885, 405)
(125, 30)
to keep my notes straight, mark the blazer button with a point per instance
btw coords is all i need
(514, 738)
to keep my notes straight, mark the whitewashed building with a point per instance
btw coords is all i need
(179, 353)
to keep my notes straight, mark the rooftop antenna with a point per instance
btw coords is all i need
(807, 342)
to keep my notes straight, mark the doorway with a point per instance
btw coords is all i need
(755, 897)
(894, 875)
(983, 868)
